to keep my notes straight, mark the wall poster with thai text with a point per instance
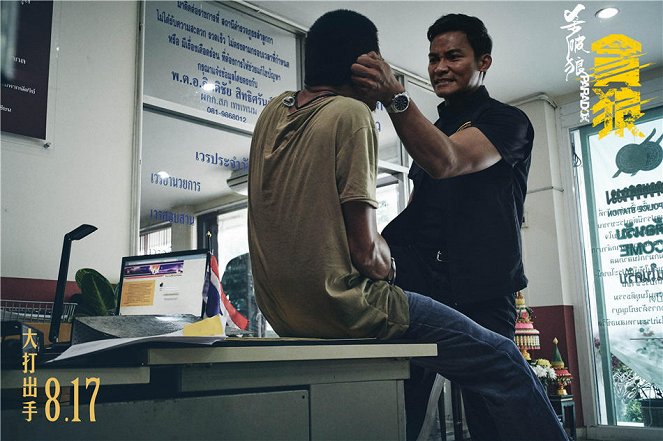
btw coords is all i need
(25, 59)
(209, 71)
(216, 61)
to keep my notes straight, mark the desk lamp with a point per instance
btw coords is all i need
(58, 305)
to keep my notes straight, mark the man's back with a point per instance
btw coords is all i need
(303, 166)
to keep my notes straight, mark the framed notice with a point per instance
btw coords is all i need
(213, 62)
(26, 47)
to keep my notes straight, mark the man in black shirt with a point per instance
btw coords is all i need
(458, 240)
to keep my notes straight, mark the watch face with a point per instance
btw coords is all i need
(400, 102)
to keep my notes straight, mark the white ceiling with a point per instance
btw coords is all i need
(529, 48)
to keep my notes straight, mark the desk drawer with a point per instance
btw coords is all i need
(281, 415)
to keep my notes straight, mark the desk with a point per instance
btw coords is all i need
(237, 390)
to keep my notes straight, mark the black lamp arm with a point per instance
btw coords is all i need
(58, 304)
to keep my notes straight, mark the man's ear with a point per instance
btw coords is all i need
(484, 62)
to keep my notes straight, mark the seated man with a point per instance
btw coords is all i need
(321, 269)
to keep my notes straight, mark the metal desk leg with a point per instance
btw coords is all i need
(442, 413)
(457, 412)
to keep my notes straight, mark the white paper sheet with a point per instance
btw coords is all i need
(93, 347)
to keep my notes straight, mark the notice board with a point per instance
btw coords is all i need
(26, 48)
(215, 62)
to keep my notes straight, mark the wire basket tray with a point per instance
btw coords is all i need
(31, 311)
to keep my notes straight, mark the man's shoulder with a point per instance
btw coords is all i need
(348, 110)
(275, 103)
(280, 99)
(502, 106)
(499, 108)
(347, 104)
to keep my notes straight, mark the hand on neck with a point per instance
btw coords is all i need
(309, 93)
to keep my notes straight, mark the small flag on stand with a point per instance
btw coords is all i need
(216, 301)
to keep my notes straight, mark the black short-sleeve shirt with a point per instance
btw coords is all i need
(472, 222)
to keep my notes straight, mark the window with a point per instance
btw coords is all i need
(229, 242)
(390, 203)
(232, 237)
(232, 248)
(155, 242)
(621, 204)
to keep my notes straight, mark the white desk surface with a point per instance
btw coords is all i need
(236, 351)
(289, 352)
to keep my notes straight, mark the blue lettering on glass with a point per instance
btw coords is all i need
(248, 66)
(216, 159)
(236, 26)
(169, 216)
(232, 24)
(168, 19)
(230, 76)
(273, 57)
(190, 7)
(171, 181)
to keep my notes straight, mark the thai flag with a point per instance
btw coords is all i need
(216, 301)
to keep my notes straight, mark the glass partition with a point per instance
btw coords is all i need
(209, 70)
(622, 205)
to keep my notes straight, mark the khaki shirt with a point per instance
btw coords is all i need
(303, 166)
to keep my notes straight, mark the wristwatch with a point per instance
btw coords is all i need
(399, 103)
(391, 277)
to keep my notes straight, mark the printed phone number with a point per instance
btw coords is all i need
(223, 113)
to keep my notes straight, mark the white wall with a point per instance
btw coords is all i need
(544, 235)
(85, 176)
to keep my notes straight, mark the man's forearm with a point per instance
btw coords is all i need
(374, 262)
(369, 251)
(428, 146)
(441, 156)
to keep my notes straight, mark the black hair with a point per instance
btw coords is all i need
(333, 44)
(474, 29)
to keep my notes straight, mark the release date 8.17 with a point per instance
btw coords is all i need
(52, 408)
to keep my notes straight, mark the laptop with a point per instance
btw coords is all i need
(166, 287)
(157, 294)
(163, 284)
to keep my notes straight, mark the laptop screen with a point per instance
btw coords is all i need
(170, 283)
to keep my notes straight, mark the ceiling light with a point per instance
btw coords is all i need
(606, 13)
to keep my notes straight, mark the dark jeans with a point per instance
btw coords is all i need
(487, 364)
(498, 315)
